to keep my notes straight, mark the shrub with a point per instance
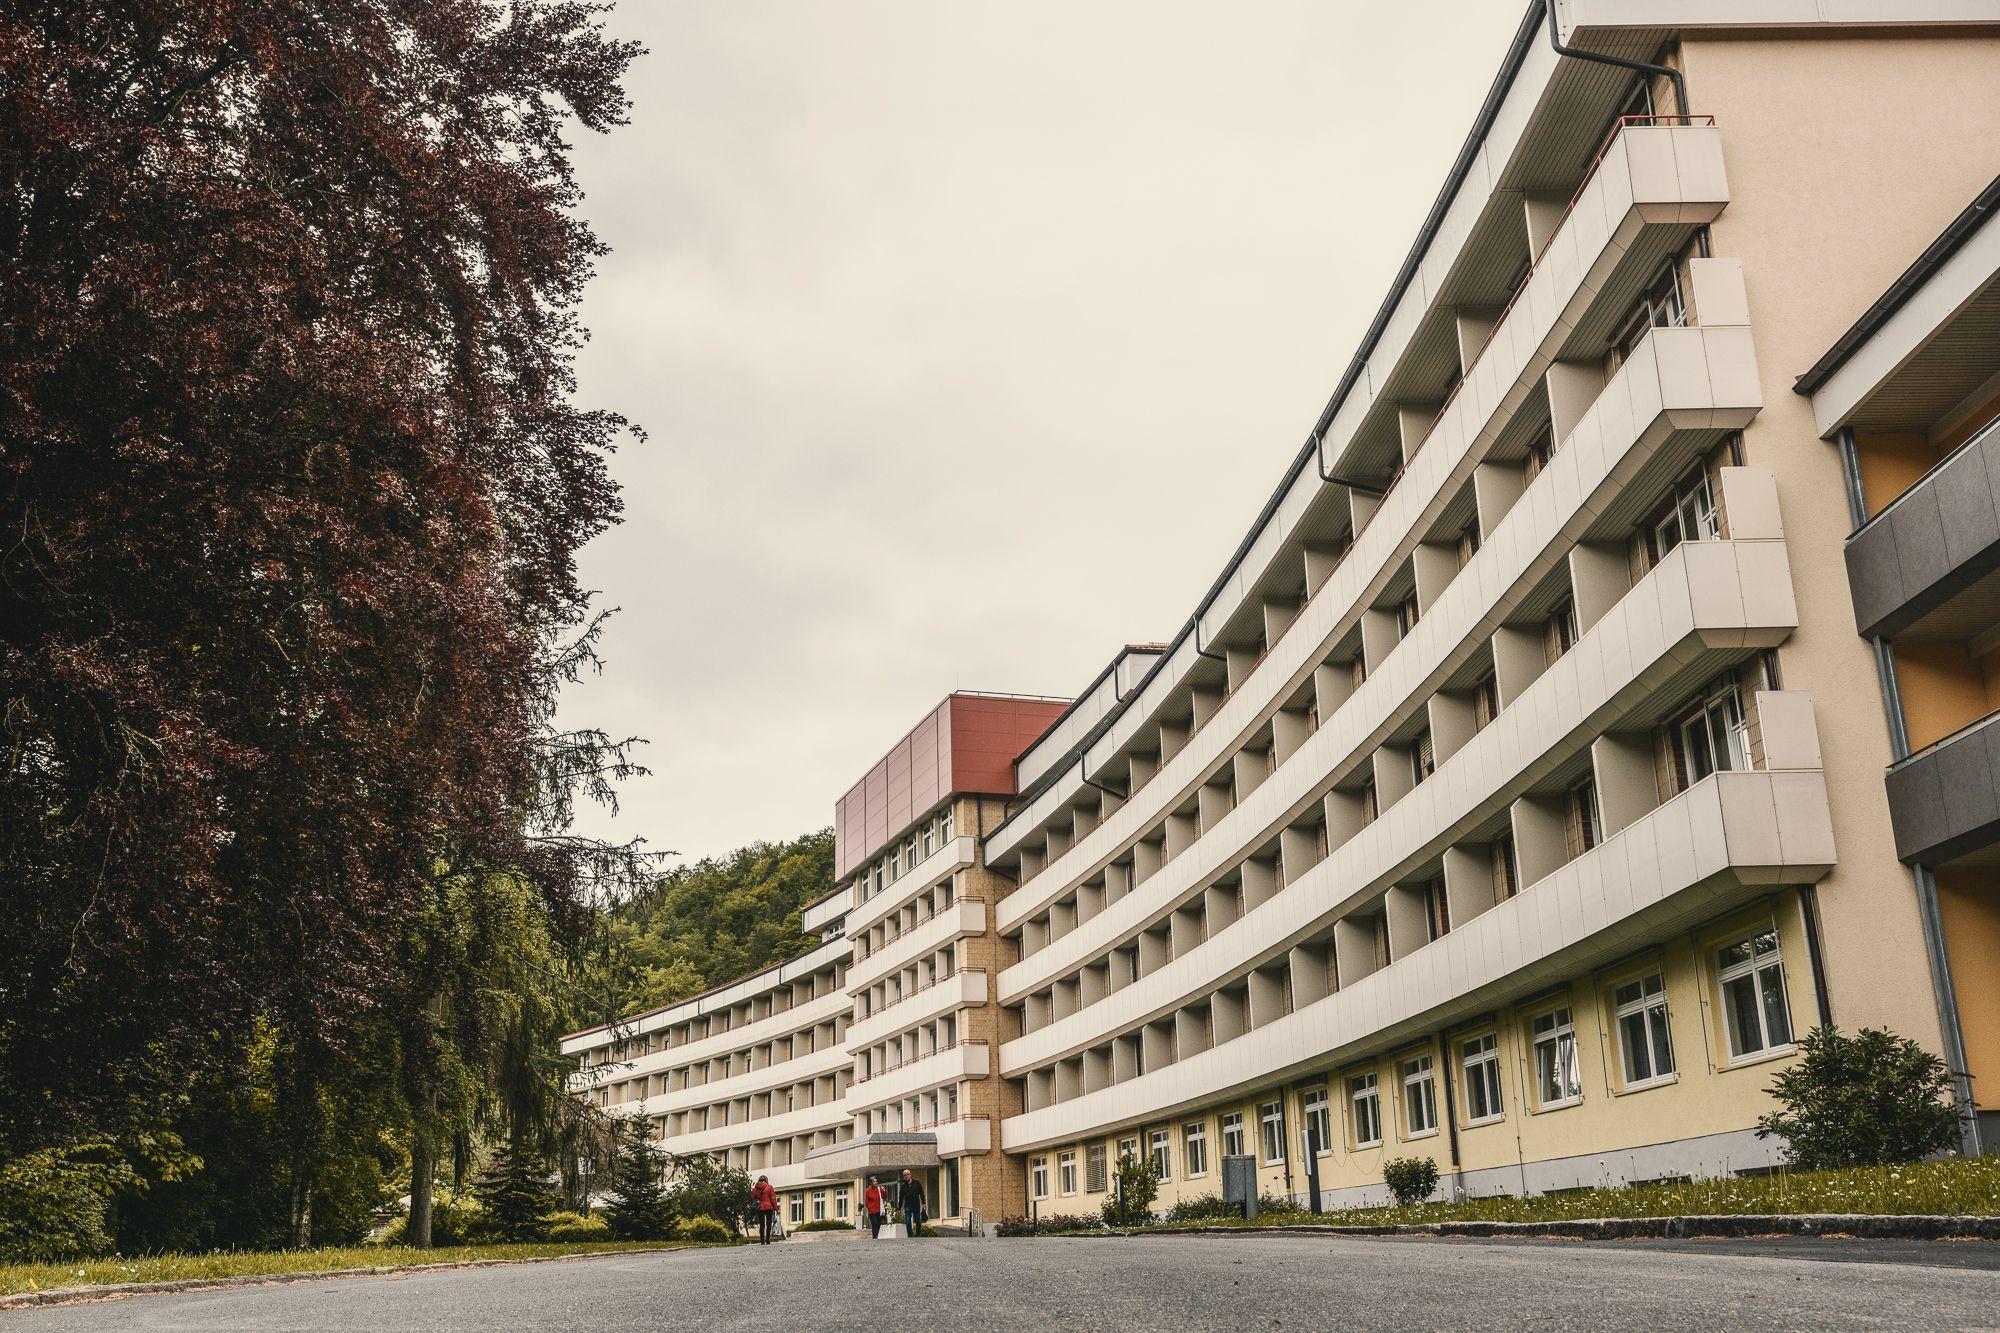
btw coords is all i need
(1866, 1100)
(1410, 1179)
(453, 1222)
(825, 1224)
(574, 1228)
(1133, 1188)
(704, 1187)
(1055, 1224)
(1279, 1204)
(54, 1203)
(638, 1207)
(704, 1230)
(515, 1194)
(1206, 1208)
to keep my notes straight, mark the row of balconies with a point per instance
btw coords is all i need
(1699, 611)
(792, 1002)
(649, 1098)
(914, 911)
(1654, 185)
(947, 990)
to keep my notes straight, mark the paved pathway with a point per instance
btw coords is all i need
(1151, 1283)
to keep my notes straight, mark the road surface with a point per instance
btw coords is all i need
(1231, 1282)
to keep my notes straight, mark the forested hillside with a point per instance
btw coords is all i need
(703, 924)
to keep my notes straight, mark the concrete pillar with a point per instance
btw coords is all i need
(1545, 210)
(1361, 507)
(1354, 948)
(1117, 880)
(1495, 488)
(1468, 881)
(1331, 687)
(1206, 701)
(1267, 997)
(1379, 635)
(1139, 770)
(1409, 923)
(1298, 851)
(1393, 775)
(1211, 803)
(1035, 1011)
(1173, 735)
(1034, 936)
(1069, 1080)
(1251, 767)
(1436, 565)
(1089, 900)
(1038, 1088)
(1311, 981)
(1191, 1034)
(1093, 983)
(1541, 839)
(1062, 920)
(1186, 929)
(1230, 1010)
(1519, 658)
(1628, 788)
(1600, 574)
(1147, 858)
(1345, 816)
(1124, 1057)
(1750, 504)
(1222, 905)
(1321, 561)
(1156, 1045)
(1260, 882)
(1279, 613)
(1290, 728)
(1181, 831)
(1413, 423)
(1574, 386)
(1064, 999)
(1238, 663)
(1454, 721)
(1097, 1069)
(1155, 950)
(1475, 326)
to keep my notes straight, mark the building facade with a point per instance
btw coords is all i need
(1599, 703)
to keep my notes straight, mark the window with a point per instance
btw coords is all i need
(1423, 758)
(798, 1209)
(930, 839)
(1420, 1110)
(1128, 1148)
(1687, 516)
(944, 826)
(1539, 450)
(1468, 543)
(1659, 307)
(1586, 821)
(1160, 1151)
(1713, 738)
(1437, 910)
(1367, 1103)
(1271, 1115)
(1559, 633)
(1485, 701)
(1752, 976)
(1506, 869)
(1370, 808)
(840, 1206)
(1407, 616)
(1232, 1134)
(1481, 1057)
(1643, 1041)
(1066, 1172)
(819, 1205)
(1319, 1124)
(895, 864)
(1557, 1081)
(1096, 1169)
(1038, 1178)
(878, 877)
(1194, 1148)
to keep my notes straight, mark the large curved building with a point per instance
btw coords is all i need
(1516, 796)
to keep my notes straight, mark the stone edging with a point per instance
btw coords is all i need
(104, 1291)
(1870, 1226)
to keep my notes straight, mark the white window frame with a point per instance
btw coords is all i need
(930, 840)
(840, 1206)
(1691, 515)
(1420, 1103)
(1038, 1178)
(1066, 1173)
(1232, 1128)
(1479, 1058)
(1271, 1131)
(819, 1205)
(1160, 1152)
(1560, 1034)
(1318, 1115)
(1194, 1148)
(1720, 713)
(1364, 1101)
(1657, 1038)
(798, 1210)
(1760, 968)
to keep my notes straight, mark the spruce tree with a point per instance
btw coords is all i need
(638, 1208)
(515, 1195)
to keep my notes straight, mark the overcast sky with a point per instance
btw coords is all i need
(970, 338)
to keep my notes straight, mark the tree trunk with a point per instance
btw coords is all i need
(423, 1167)
(301, 1232)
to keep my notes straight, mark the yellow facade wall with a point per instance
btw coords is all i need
(1969, 899)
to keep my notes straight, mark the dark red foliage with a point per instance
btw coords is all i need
(291, 486)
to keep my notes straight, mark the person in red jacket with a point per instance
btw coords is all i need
(766, 1200)
(871, 1203)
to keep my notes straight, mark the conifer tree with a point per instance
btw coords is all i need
(515, 1194)
(638, 1208)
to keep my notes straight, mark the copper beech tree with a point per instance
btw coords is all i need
(292, 484)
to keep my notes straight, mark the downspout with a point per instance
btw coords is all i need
(1450, 1113)
(1083, 771)
(1673, 75)
(1943, 991)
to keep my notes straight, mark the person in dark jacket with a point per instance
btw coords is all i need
(911, 1197)
(871, 1203)
(766, 1200)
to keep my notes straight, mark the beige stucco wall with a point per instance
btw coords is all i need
(1846, 157)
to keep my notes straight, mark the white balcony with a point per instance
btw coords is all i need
(967, 916)
(952, 856)
(966, 1060)
(967, 987)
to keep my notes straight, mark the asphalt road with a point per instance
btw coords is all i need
(1151, 1283)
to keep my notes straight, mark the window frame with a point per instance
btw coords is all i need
(1642, 1007)
(1316, 1112)
(1754, 967)
(1194, 1148)
(1269, 1114)
(1364, 1089)
(1554, 1038)
(1714, 709)
(1066, 1177)
(1479, 1063)
(1418, 1076)
(1233, 1128)
(1038, 1177)
(1160, 1153)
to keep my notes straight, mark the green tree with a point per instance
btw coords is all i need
(704, 1187)
(638, 1207)
(514, 1194)
(1133, 1188)
(1863, 1100)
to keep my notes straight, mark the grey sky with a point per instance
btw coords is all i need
(970, 338)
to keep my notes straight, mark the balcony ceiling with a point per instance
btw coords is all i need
(1955, 366)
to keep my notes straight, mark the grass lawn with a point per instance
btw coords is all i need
(15, 1278)
(1958, 1186)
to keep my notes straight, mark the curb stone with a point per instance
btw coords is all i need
(105, 1291)
(1717, 1226)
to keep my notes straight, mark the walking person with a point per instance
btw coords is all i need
(766, 1200)
(911, 1196)
(871, 1203)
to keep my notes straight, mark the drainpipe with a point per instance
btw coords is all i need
(1673, 75)
(1943, 991)
(1083, 771)
(1450, 1112)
